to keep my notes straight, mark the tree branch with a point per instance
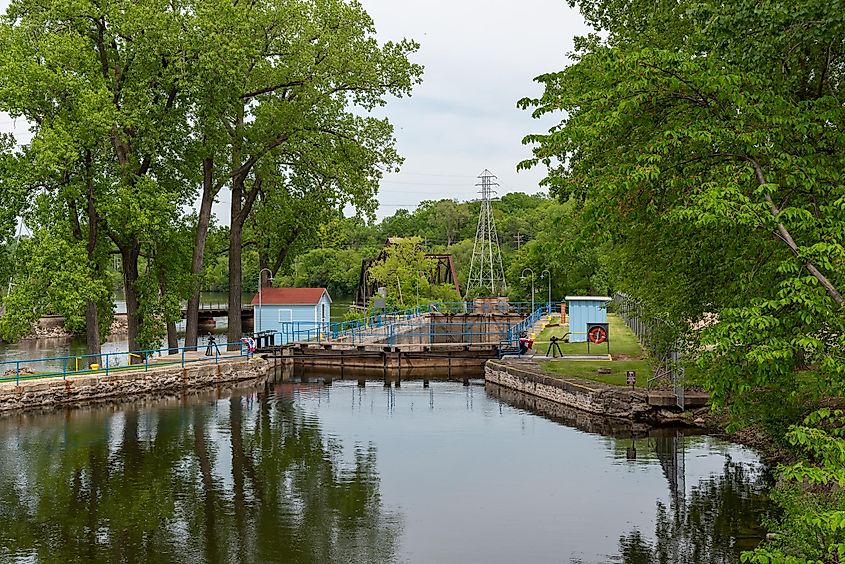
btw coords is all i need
(270, 89)
(786, 236)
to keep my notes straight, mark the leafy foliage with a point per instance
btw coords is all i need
(812, 528)
(56, 279)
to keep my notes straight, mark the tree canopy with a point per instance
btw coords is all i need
(141, 111)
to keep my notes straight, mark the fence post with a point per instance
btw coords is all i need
(107, 364)
(17, 373)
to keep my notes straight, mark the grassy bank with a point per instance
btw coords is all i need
(625, 350)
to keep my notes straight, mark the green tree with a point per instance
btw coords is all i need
(336, 270)
(294, 72)
(724, 143)
(405, 271)
(101, 86)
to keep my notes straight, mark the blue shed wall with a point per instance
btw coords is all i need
(270, 317)
(582, 312)
(292, 322)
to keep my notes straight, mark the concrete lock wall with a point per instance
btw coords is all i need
(47, 392)
(583, 395)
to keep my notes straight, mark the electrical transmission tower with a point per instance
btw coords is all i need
(486, 269)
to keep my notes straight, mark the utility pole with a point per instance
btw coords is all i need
(518, 241)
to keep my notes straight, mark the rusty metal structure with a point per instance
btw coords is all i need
(443, 272)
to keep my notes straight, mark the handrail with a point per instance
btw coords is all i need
(107, 363)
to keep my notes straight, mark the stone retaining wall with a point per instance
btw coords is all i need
(592, 397)
(47, 392)
(570, 416)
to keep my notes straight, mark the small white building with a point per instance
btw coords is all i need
(292, 312)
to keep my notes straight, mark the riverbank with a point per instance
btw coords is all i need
(53, 327)
(653, 406)
(50, 392)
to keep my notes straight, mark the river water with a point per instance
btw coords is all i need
(291, 472)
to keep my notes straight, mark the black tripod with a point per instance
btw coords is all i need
(554, 348)
(209, 351)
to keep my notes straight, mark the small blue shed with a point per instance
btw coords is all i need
(295, 313)
(583, 310)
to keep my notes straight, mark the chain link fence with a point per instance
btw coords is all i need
(661, 341)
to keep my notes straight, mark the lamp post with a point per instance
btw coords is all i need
(419, 275)
(260, 289)
(532, 286)
(543, 275)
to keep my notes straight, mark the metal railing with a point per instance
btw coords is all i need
(651, 331)
(415, 325)
(107, 363)
(218, 306)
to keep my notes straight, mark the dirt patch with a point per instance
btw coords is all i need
(626, 357)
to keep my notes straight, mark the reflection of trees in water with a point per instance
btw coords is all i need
(251, 481)
(713, 524)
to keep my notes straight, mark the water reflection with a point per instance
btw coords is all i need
(243, 479)
(710, 520)
(305, 472)
(718, 520)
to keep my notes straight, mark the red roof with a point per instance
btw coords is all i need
(290, 296)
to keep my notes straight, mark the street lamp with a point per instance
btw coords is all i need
(260, 288)
(419, 276)
(543, 275)
(532, 286)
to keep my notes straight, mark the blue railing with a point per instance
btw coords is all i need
(106, 363)
(388, 327)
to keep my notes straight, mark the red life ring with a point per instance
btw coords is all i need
(597, 335)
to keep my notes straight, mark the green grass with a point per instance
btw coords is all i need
(587, 370)
(623, 342)
(624, 348)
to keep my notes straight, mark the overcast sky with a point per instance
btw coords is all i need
(480, 57)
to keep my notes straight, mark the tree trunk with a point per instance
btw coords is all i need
(92, 320)
(192, 316)
(265, 278)
(235, 267)
(172, 338)
(283, 253)
(130, 254)
(92, 331)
